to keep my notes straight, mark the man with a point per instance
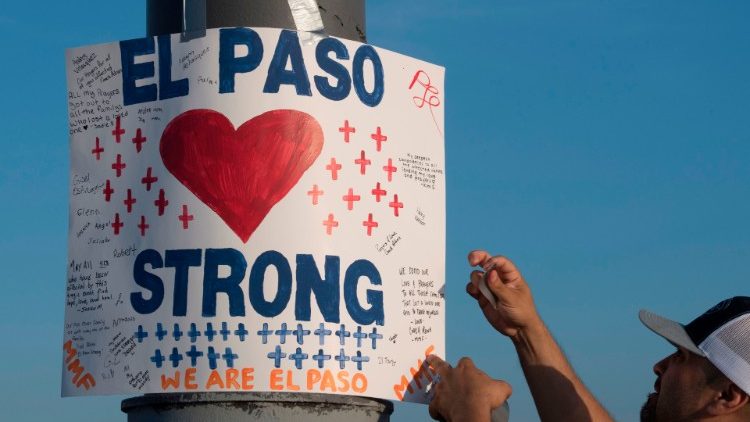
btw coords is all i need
(707, 378)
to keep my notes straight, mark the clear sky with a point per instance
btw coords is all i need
(605, 146)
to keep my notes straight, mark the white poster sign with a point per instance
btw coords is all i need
(250, 213)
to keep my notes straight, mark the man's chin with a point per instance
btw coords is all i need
(648, 411)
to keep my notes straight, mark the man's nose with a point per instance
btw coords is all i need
(661, 366)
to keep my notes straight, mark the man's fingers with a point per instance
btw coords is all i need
(465, 362)
(504, 267)
(501, 391)
(472, 290)
(433, 409)
(438, 365)
(478, 257)
(496, 285)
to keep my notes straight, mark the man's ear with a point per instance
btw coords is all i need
(730, 399)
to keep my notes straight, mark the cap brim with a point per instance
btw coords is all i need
(672, 331)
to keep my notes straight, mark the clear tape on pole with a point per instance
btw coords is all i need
(307, 19)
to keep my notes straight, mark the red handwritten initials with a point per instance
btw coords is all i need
(429, 95)
(74, 367)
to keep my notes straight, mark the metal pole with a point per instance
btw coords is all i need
(341, 18)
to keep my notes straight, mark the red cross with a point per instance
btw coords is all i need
(98, 150)
(330, 224)
(390, 169)
(347, 130)
(143, 226)
(118, 165)
(108, 191)
(138, 140)
(334, 167)
(117, 132)
(161, 202)
(379, 138)
(315, 193)
(396, 205)
(370, 224)
(363, 162)
(129, 201)
(351, 198)
(378, 192)
(117, 225)
(148, 180)
(185, 217)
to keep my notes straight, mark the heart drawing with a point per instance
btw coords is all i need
(240, 174)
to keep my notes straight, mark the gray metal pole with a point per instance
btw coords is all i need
(341, 18)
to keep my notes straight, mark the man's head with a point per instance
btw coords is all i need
(709, 374)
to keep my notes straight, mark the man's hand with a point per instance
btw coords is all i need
(515, 305)
(465, 393)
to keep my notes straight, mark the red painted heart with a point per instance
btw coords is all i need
(240, 174)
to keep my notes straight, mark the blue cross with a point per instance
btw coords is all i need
(240, 332)
(160, 331)
(224, 331)
(193, 354)
(342, 358)
(210, 332)
(321, 358)
(282, 333)
(140, 334)
(177, 333)
(276, 355)
(157, 358)
(375, 337)
(298, 357)
(175, 357)
(359, 359)
(322, 333)
(212, 357)
(229, 357)
(341, 333)
(359, 335)
(193, 333)
(300, 333)
(264, 333)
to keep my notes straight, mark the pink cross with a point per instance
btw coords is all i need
(148, 179)
(363, 162)
(161, 202)
(390, 169)
(143, 226)
(396, 205)
(97, 150)
(138, 140)
(118, 165)
(185, 217)
(351, 198)
(129, 201)
(370, 224)
(379, 138)
(378, 192)
(117, 225)
(330, 223)
(347, 130)
(334, 167)
(108, 191)
(118, 131)
(315, 193)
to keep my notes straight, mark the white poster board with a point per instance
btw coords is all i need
(253, 213)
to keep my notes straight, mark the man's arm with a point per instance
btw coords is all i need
(558, 392)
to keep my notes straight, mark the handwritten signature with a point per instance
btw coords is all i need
(429, 96)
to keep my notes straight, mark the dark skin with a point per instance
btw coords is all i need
(465, 393)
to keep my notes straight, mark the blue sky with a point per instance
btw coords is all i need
(603, 145)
